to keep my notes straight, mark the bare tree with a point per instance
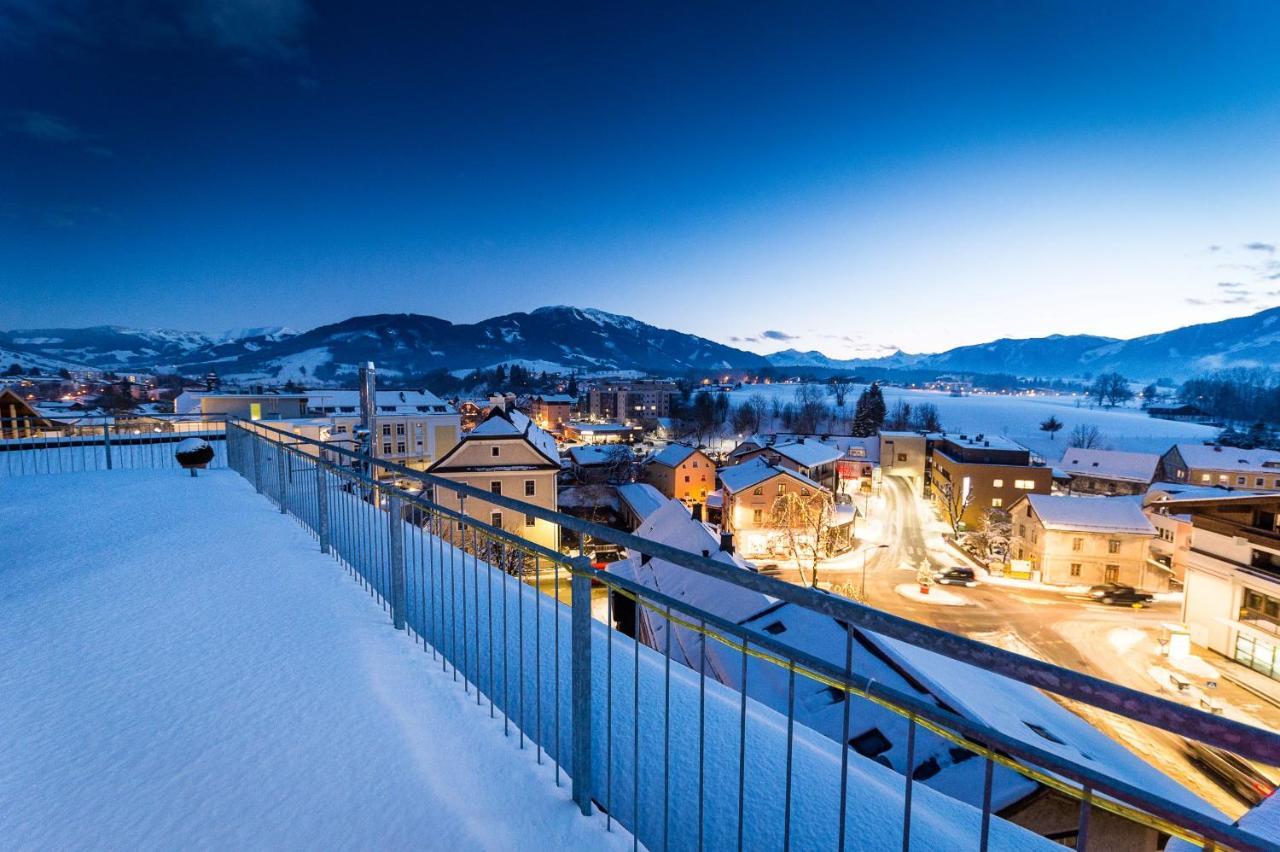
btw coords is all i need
(1085, 437)
(955, 504)
(839, 387)
(805, 522)
(621, 463)
(899, 416)
(810, 410)
(992, 537)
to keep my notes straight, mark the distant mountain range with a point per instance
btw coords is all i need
(587, 341)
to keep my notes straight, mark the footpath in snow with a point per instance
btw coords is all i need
(179, 666)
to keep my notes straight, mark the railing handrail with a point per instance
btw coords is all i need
(1237, 737)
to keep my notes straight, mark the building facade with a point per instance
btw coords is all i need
(552, 411)
(681, 472)
(1107, 471)
(631, 402)
(969, 475)
(1070, 541)
(1224, 467)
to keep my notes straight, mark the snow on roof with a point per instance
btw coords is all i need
(1090, 514)
(581, 426)
(751, 473)
(673, 454)
(514, 422)
(1007, 705)
(1110, 464)
(403, 401)
(1168, 492)
(593, 454)
(1217, 457)
(809, 452)
(557, 398)
(642, 498)
(980, 441)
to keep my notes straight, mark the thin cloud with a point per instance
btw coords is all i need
(1231, 285)
(47, 127)
(772, 334)
(1269, 248)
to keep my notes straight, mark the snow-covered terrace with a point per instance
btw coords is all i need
(180, 666)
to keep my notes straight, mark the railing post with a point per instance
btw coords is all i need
(397, 562)
(580, 680)
(257, 463)
(322, 506)
(106, 442)
(280, 475)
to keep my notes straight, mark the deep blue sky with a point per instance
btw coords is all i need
(849, 176)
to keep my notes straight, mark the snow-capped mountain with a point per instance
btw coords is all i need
(1250, 341)
(404, 346)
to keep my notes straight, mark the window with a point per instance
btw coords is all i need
(997, 502)
(1024, 484)
(1077, 545)
(496, 519)
(1258, 482)
(1022, 530)
(757, 516)
(1075, 569)
(782, 488)
(400, 447)
(530, 520)
(686, 477)
(495, 451)
(495, 486)
(902, 457)
(1204, 477)
(399, 428)
(997, 483)
(386, 430)
(1110, 573)
(530, 488)
(386, 448)
(758, 492)
(1113, 546)
(1240, 480)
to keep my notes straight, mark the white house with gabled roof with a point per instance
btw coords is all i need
(750, 491)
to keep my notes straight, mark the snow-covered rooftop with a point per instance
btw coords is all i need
(643, 498)
(751, 473)
(398, 401)
(166, 699)
(673, 454)
(1089, 514)
(809, 452)
(1110, 464)
(593, 454)
(514, 422)
(1216, 457)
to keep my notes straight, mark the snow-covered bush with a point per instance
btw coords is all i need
(193, 453)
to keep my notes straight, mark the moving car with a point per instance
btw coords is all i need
(1125, 596)
(1098, 591)
(1234, 774)
(956, 576)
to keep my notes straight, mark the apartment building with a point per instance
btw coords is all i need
(411, 427)
(248, 406)
(681, 472)
(809, 457)
(1068, 541)
(906, 455)
(1216, 465)
(505, 454)
(971, 474)
(839, 462)
(631, 401)
(552, 411)
(1107, 471)
(1232, 599)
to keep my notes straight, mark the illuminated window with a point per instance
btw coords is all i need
(1113, 546)
(997, 483)
(1204, 477)
(1024, 484)
(530, 520)
(757, 516)
(997, 502)
(758, 492)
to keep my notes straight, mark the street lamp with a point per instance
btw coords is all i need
(862, 588)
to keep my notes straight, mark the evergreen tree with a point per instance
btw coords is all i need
(869, 412)
(1052, 425)
(572, 389)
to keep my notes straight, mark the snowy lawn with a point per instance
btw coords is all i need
(179, 666)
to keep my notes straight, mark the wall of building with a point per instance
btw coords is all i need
(477, 453)
(690, 481)
(991, 485)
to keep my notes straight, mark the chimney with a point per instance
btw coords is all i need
(368, 403)
(726, 542)
(705, 552)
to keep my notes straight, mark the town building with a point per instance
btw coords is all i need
(1231, 603)
(1108, 471)
(681, 472)
(749, 493)
(247, 406)
(21, 418)
(1172, 543)
(631, 402)
(875, 731)
(840, 462)
(809, 457)
(906, 455)
(552, 411)
(508, 455)
(596, 463)
(1069, 541)
(970, 474)
(601, 433)
(1214, 464)
(1184, 413)
(411, 427)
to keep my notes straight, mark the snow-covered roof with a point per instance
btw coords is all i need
(673, 454)
(1110, 464)
(581, 426)
(643, 499)
(401, 401)
(593, 454)
(809, 452)
(981, 441)
(514, 422)
(1089, 514)
(556, 398)
(1017, 710)
(751, 473)
(1167, 492)
(1216, 457)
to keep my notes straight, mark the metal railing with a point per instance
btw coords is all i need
(43, 445)
(671, 754)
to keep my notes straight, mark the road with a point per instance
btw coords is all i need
(1117, 644)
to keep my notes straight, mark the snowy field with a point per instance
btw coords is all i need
(1019, 418)
(182, 668)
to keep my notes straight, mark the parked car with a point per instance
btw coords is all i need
(956, 576)
(1102, 589)
(1234, 774)
(1125, 596)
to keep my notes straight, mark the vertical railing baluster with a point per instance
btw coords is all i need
(580, 681)
(910, 773)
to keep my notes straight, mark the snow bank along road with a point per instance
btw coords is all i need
(180, 666)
